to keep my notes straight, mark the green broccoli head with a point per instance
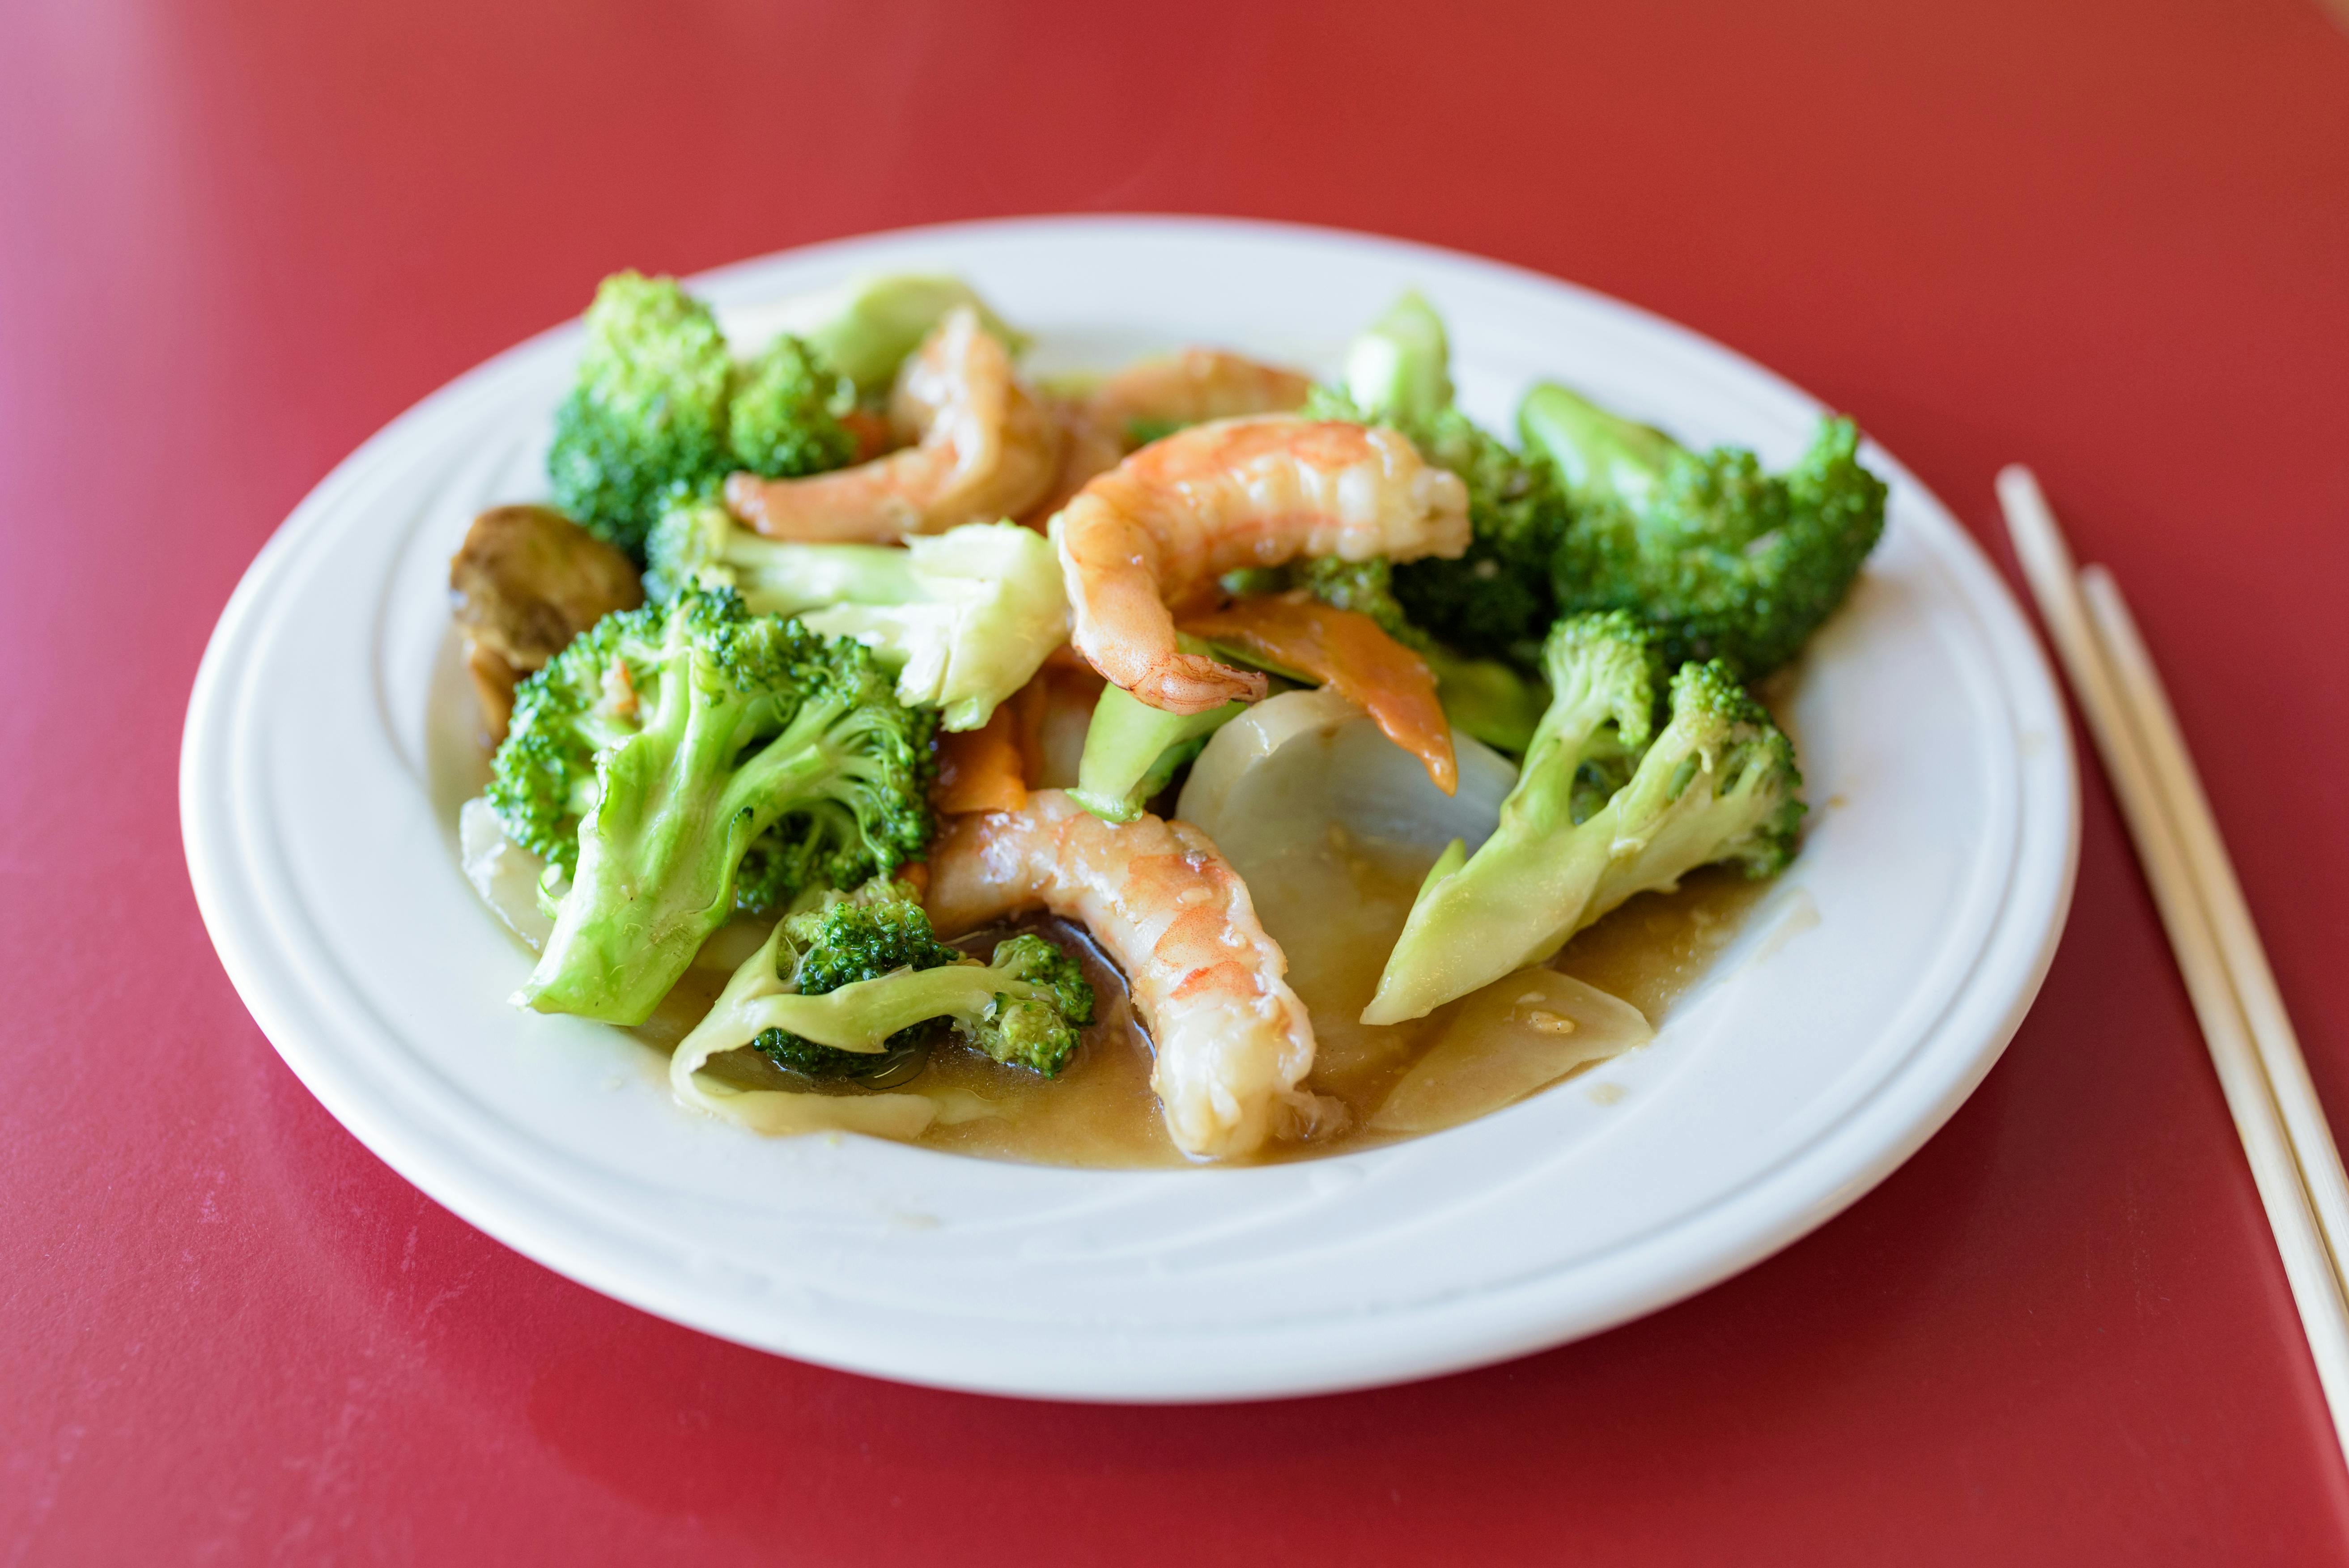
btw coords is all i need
(1719, 786)
(1365, 587)
(1134, 751)
(1495, 600)
(784, 418)
(856, 989)
(684, 761)
(1727, 561)
(1604, 671)
(659, 410)
(542, 781)
(879, 929)
(1042, 1004)
(1609, 804)
(648, 412)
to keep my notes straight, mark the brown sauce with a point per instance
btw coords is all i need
(1336, 909)
(1100, 1113)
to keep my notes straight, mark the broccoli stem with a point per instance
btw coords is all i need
(777, 578)
(1399, 369)
(677, 811)
(1132, 750)
(865, 329)
(1483, 697)
(1599, 454)
(862, 1015)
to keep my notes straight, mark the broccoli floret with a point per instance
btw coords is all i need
(1035, 1019)
(1726, 561)
(647, 411)
(681, 761)
(1400, 368)
(1142, 429)
(659, 409)
(877, 931)
(1495, 599)
(853, 990)
(784, 418)
(1608, 805)
(963, 619)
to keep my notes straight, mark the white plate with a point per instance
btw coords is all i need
(1869, 995)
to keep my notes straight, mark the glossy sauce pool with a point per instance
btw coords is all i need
(1343, 910)
(1335, 908)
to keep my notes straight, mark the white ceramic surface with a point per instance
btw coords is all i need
(1871, 991)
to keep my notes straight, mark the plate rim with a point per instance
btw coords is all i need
(2019, 658)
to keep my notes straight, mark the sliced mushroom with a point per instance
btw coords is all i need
(527, 581)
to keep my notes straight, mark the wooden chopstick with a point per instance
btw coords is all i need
(2231, 918)
(2119, 693)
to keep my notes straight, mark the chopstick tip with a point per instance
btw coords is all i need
(2017, 486)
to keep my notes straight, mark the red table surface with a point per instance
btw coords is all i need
(2111, 239)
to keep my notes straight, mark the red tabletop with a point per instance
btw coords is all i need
(2109, 237)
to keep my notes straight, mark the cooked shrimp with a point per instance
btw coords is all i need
(1174, 389)
(982, 450)
(1195, 385)
(1237, 492)
(1232, 1041)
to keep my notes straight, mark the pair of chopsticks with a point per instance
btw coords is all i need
(2292, 1157)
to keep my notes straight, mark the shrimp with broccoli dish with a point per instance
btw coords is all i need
(1194, 761)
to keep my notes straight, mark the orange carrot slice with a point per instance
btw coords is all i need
(979, 770)
(870, 432)
(1347, 651)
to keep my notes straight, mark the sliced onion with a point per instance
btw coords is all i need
(1283, 772)
(1518, 1034)
(503, 872)
(1333, 826)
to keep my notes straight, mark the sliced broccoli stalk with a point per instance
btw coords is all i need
(1486, 698)
(963, 619)
(866, 327)
(684, 761)
(1134, 751)
(1599, 455)
(698, 544)
(852, 989)
(1726, 561)
(1608, 805)
(989, 607)
(1398, 370)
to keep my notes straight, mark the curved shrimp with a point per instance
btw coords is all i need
(1233, 494)
(1195, 385)
(1173, 389)
(1232, 1041)
(983, 449)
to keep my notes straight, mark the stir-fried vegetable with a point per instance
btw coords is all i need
(1345, 650)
